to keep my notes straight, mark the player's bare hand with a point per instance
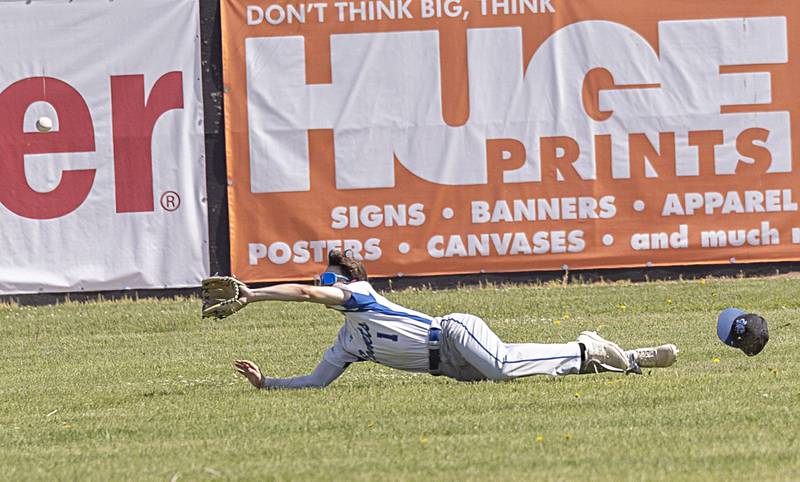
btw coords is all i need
(249, 370)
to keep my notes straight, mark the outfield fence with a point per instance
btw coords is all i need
(495, 139)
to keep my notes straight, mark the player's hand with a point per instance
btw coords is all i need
(245, 294)
(249, 370)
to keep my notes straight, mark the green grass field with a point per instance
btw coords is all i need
(145, 390)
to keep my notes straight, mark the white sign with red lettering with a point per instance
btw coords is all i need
(113, 195)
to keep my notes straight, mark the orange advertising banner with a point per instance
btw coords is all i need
(464, 136)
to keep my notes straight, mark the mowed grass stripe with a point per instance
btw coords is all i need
(145, 390)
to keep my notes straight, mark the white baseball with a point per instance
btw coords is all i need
(44, 124)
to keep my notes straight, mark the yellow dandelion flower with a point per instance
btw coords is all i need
(577, 394)
(539, 438)
(669, 301)
(557, 322)
(622, 306)
(702, 281)
(715, 359)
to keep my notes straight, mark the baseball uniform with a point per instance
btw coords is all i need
(461, 346)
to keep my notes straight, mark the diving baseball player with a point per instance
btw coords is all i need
(459, 346)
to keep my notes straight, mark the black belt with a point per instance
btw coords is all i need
(433, 351)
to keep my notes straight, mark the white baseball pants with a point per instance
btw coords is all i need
(471, 351)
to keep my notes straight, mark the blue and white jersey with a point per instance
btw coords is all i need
(378, 330)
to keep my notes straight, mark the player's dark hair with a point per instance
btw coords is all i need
(350, 266)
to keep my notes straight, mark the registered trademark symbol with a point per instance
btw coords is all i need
(170, 201)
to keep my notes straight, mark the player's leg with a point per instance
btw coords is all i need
(483, 350)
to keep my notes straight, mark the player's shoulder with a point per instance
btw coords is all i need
(362, 296)
(357, 294)
(360, 287)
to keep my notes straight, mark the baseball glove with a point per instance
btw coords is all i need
(221, 296)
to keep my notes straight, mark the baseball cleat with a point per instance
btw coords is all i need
(654, 357)
(603, 352)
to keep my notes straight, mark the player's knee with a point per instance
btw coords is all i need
(497, 374)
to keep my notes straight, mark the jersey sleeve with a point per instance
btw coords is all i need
(337, 355)
(321, 377)
(361, 297)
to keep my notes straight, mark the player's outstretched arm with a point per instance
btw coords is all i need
(321, 377)
(326, 295)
